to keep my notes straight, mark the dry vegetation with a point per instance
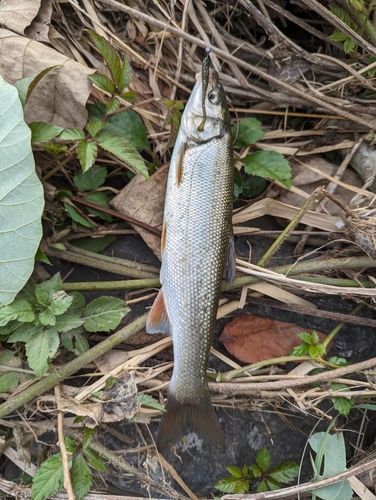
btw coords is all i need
(316, 102)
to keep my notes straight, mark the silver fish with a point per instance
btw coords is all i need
(197, 249)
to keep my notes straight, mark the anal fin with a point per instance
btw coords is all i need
(158, 320)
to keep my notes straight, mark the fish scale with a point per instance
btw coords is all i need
(195, 242)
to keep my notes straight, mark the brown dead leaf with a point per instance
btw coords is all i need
(17, 15)
(251, 338)
(40, 26)
(60, 96)
(144, 201)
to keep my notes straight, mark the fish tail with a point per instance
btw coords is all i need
(180, 418)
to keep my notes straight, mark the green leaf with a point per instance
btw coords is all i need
(300, 350)
(247, 132)
(338, 491)
(86, 152)
(103, 82)
(253, 185)
(124, 150)
(109, 55)
(100, 198)
(49, 478)
(70, 444)
(81, 477)
(95, 460)
(268, 164)
(39, 348)
(77, 217)
(255, 471)
(94, 244)
(9, 381)
(129, 126)
(131, 96)
(335, 360)
(337, 36)
(72, 134)
(18, 310)
(67, 321)
(22, 87)
(284, 472)
(348, 46)
(104, 314)
(6, 356)
(40, 256)
(272, 484)
(307, 338)
(66, 338)
(42, 132)
(78, 303)
(262, 487)
(342, 15)
(94, 126)
(55, 149)
(81, 344)
(234, 471)
(25, 332)
(88, 435)
(227, 484)
(147, 400)
(54, 284)
(87, 181)
(47, 317)
(26, 86)
(21, 197)
(113, 105)
(125, 75)
(317, 350)
(60, 302)
(263, 459)
(342, 405)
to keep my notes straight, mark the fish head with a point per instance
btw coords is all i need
(217, 122)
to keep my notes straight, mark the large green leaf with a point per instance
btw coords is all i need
(21, 197)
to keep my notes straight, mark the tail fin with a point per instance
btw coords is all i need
(179, 419)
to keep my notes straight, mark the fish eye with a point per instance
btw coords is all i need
(213, 96)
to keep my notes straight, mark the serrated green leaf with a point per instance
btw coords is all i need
(6, 356)
(70, 444)
(234, 471)
(9, 381)
(49, 478)
(348, 46)
(130, 96)
(342, 405)
(78, 303)
(247, 132)
(104, 314)
(67, 321)
(284, 472)
(100, 198)
(88, 435)
(77, 217)
(272, 484)
(268, 164)
(109, 54)
(81, 477)
(300, 350)
(263, 459)
(93, 127)
(255, 471)
(66, 339)
(51, 286)
(335, 360)
(21, 197)
(306, 337)
(95, 460)
(9, 328)
(47, 317)
(103, 82)
(317, 350)
(341, 14)
(18, 310)
(227, 484)
(81, 344)
(124, 150)
(28, 291)
(337, 36)
(126, 75)
(39, 348)
(147, 400)
(72, 134)
(262, 487)
(87, 181)
(55, 149)
(87, 152)
(315, 338)
(42, 132)
(94, 244)
(60, 302)
(130, 127)
(24, 332)
(113, 105)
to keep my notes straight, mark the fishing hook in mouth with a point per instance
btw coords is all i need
(205, 82)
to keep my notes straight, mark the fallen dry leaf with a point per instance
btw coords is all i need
(60, 96)
(40, 26)
(144, 200)
(251, 339)
(17, 15)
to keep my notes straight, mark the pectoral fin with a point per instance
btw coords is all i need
(230, 263)
(158, 320)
